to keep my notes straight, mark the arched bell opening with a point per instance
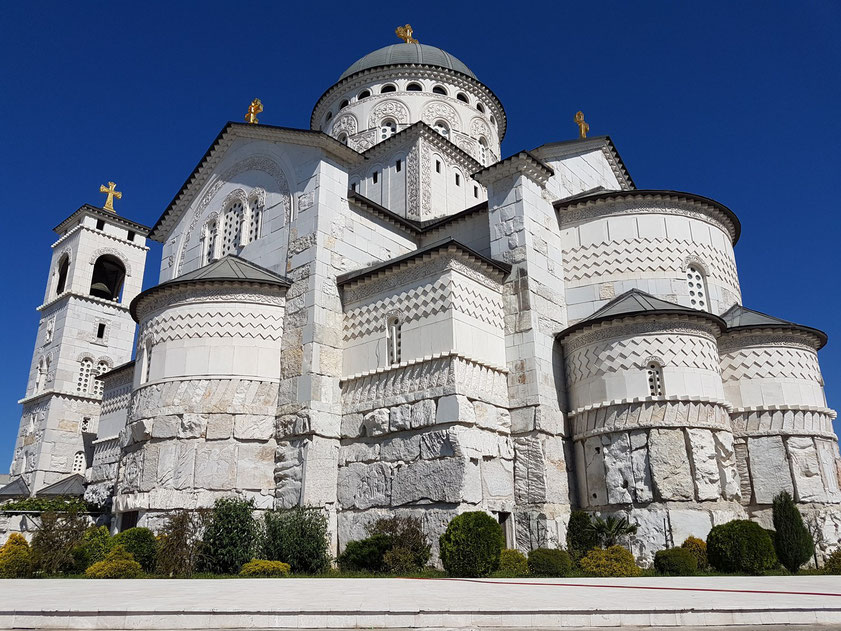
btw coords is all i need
(108, 276)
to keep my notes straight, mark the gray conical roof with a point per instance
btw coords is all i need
(400, 54)
(15, 488)
(232, 268)
(73, 485)
(739, 317)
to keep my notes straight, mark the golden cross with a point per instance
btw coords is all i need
(583, 127)
(109, 201)
(405, 33)
(255, 108)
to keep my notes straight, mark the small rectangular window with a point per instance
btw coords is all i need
(353, 187)
(100, 331)
(458, 180)
(476, 192)
(128, 520)
(437, 166)
(130, 236)
(376, 176)
(100, 224)
(398, 165)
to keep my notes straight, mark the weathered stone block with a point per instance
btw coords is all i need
(704, 460)
(400, 418)
(727, 468)
(192, 426)
(594, 471)
(433, 480)
(436, 445)
(401, 448)
(808, 484)
(376, 422)
(455, 408)
(689, 523)
(320, 476)
(166, 426)
(253, 427)
(485, 415)
(423, 413)
(640, 465)
(255, 467)
(358, 452)
(289, 470)
(219, 426)
(365, 485)
(216, 466)
(769, 468)
(669, 463)
(498, 478)
(619, 473)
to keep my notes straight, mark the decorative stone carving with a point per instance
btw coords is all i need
(345, 123)
(388, 109)
(438, 110)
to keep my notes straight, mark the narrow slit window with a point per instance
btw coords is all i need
(458, 179)
(437, 166)
(476, 192)
(100, 224)
(655, 379)
(131, 235)
(393, 334)
(100, 331)
(376, 176)
(398, 165)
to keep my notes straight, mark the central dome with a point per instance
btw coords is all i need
(399, 54)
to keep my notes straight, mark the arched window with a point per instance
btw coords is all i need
(697, 284)
(342, 138)
(483, 151)
(79, 464)
(255, 216)
(63, 268)
(99, 385)
(442, 128)
(493, 120)
(41, 374)
(655, 379)
(440, 89)
(480, 107)
(388, 88)
(388, 128)
(83, 384)
(344, 104)
(108, 276)
(414, 87)
(461, 96)
(232, 229)
(210, 232)
(393, 327)
(363, 95)
(145, 361)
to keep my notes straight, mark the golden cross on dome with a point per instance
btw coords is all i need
(111, 193)
(405, 33)
(583, 127)
(255, 108)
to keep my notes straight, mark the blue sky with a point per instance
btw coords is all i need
(734, 101)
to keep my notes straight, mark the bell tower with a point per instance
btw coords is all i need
(85, 330)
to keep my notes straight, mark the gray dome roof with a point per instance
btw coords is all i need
(397, 54)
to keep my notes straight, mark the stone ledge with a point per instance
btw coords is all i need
(669, 399)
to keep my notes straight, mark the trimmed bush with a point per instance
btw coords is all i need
(118, 564)
(265, 569)
(410, 548)
(580, 536)
(54, 542)
(142, 544)
(365, 555)
(179, 544)
(833, 563)
(548, 562)
(513, 563)
(298, 537)
(614, 561)
(230, 536)
(698, 549)
(471, 545)
(95, 545)
(675, 562)
(15, 558)
(740, 546)
(793, 542)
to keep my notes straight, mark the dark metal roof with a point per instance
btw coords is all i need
(440, 245)
(405, 53)
(227, 269)
(635, 303)
(416, 227)
(73, 485)
(608, 195)
(107, 215)
(15, 488)
(739, 318)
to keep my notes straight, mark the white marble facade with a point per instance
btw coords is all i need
(380, 316)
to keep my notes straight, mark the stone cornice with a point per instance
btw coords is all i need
(107, 215)
(520, 163)
(59, 393)
(365, 204)
(410, 71)
(80, 227)
(422, 360)
(217, 150)
(72, 294)
(739, 337)
(669, 399)
(786, 408)
(693, 321)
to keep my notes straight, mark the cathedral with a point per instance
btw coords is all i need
(381, 314)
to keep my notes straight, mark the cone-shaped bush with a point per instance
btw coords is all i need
(793, 541)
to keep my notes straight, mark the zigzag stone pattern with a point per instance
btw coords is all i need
(218, 323)
(771, 362)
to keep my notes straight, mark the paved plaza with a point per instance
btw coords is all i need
(708, 602)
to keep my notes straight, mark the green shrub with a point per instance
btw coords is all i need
(740, 546)
(793, 542)
(365, 555)
(60, 504)
(698, 549)
(548, 562)
(298, 537)
(230, 536)
(832, 565)
(614, 561)
(675, 562)
(410, 548)
(471, 545)
(55, 540)
(513, 563)
(15, 558)
(179, 544)
(118, 564)
(142, 544)
(265, 569)
(580, 536)
(95, 545)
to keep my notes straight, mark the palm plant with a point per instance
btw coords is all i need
(609, 531)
